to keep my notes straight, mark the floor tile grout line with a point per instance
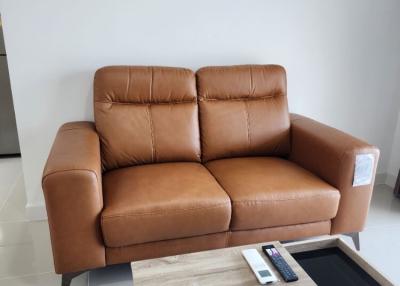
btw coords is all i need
(28, 275)
(382, 226)
(18, 221)
(18, 244)
(10, 191)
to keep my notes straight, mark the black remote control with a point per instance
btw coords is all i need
(280, 263)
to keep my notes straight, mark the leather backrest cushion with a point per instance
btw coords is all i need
(146, 115)
(243, 111)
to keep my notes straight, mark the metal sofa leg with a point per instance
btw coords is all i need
(355, 236)
(67, 277)
(396, 190)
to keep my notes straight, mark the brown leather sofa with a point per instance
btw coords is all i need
(180, 162)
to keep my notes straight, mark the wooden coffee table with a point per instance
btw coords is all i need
(214, 267)
(227, 266)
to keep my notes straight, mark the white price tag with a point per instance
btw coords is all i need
(363, 169)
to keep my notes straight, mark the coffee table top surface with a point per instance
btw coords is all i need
(214, 267)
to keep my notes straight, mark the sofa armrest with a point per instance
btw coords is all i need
(72, 189)
(331, 154)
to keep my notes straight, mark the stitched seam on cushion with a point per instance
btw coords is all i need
(151, 84)
(251, 82)
(248, 125)
(242, 98)
(280, 200)
(146, 103)
(227, 242)
(75, 128)
(128, 82)
(153, 153)
(279, 143)
(296, 225)
(163, 213)
(169, 239)
(70, 170)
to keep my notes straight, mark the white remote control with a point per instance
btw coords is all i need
(259, 267)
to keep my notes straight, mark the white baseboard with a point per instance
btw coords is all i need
(385, 179)
(380, 179)
(390, 180)
(35, 212)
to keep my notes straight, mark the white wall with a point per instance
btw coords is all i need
(342, 58)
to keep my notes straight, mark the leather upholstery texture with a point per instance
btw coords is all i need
(166, 247)
(268, 192)
(73, 193)
(288, 232)
(243, 111)
(162, 201)
(213, 241)
(331, 154)
(163, 171)
(146, 115)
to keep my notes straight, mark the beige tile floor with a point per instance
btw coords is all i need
(25, 254)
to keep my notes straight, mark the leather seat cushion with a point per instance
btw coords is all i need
(162, 201)
(268, 192)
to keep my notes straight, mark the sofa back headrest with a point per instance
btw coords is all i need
(135, 84)
(241, 82)
(243, 111)
(146, 115)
